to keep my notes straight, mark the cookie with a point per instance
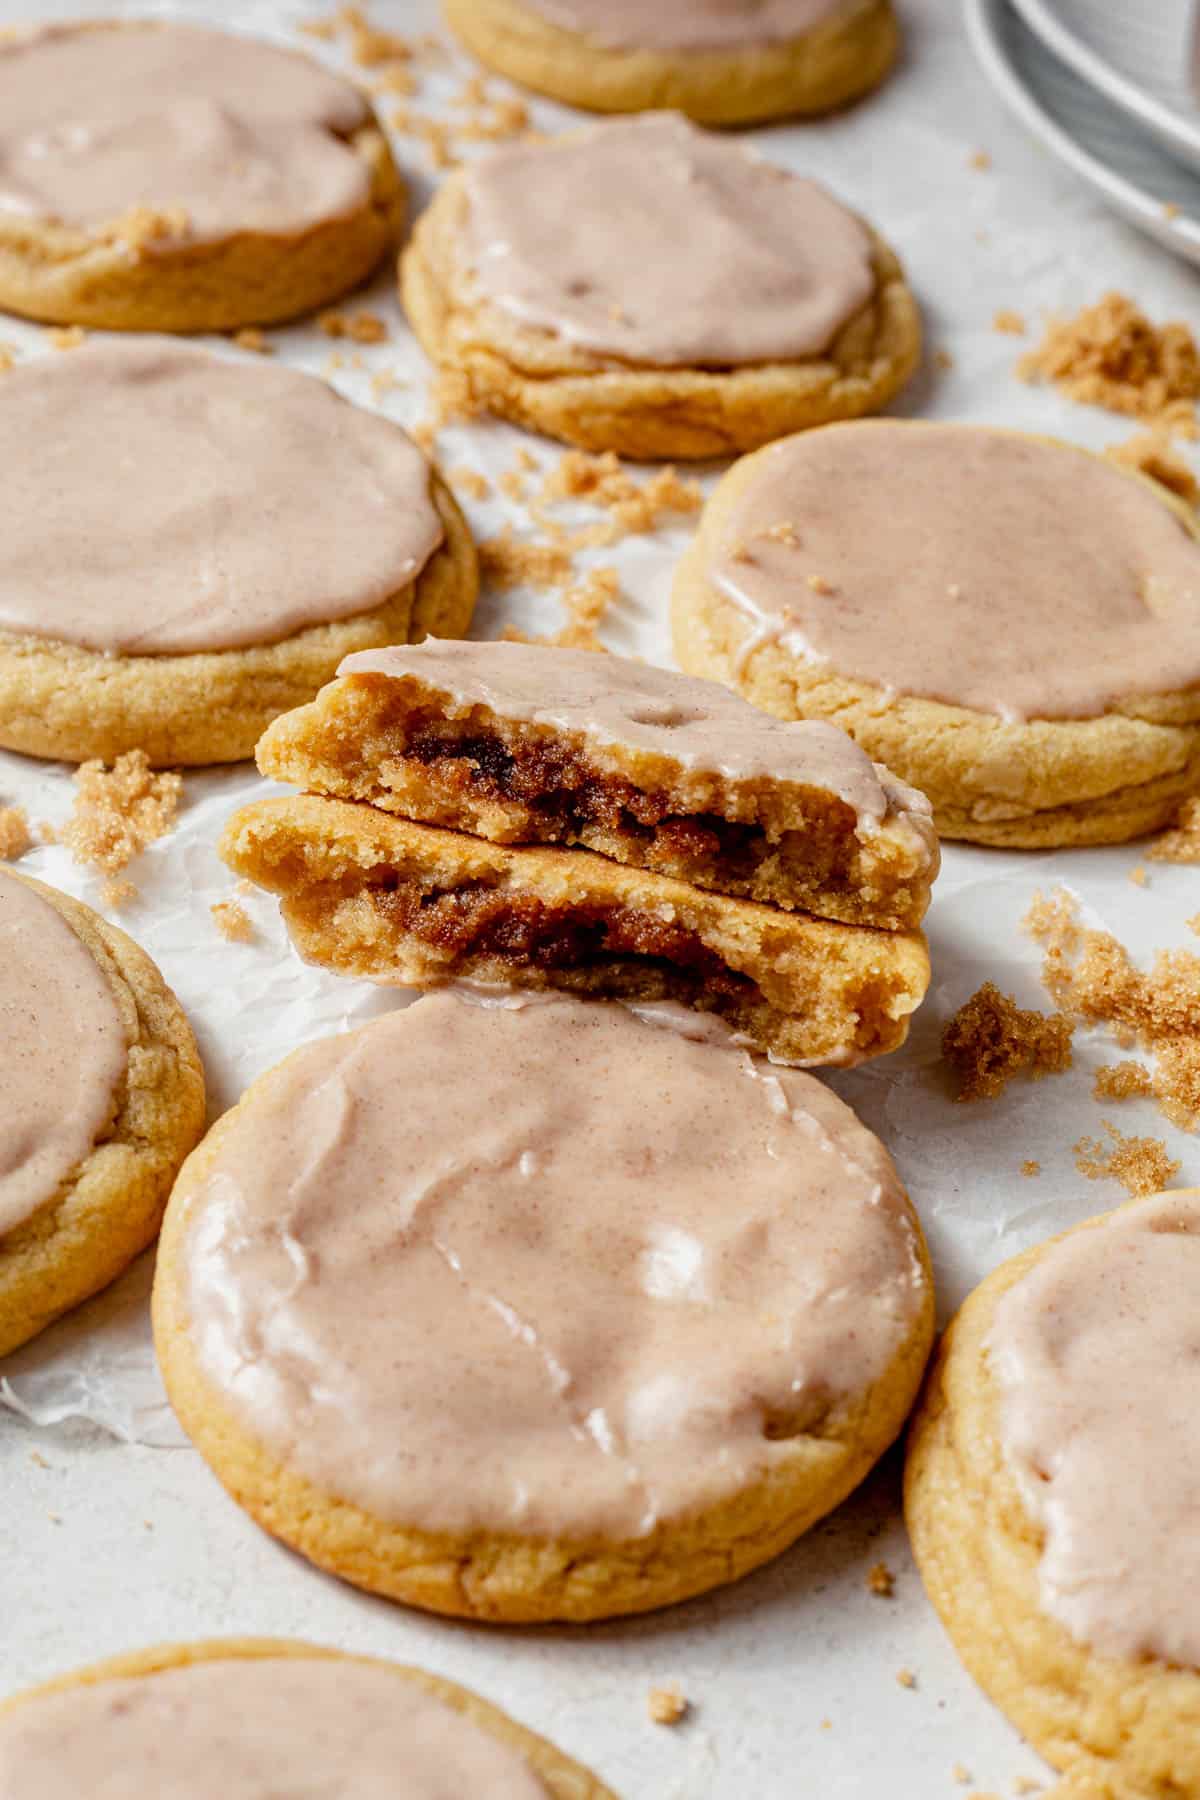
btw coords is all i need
(1008, 622)
(526, 745)
(167, 177)
(253, 529)
(732, 303)
(607, 1313)
(251, 1717)
(370, 895)
(721, 64)
(104, 1097)
(1051, 1498)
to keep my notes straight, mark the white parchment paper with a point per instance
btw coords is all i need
(114, 1534)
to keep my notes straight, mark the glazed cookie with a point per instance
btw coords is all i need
(260, 1718)
(174, 594)
(1051, 1498)
(104, 1097)
(536, 1310)
(522, 744)
(722, 64)
(165, 177)
(1010, 623)
(672, 293)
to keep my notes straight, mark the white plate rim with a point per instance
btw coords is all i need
(1163, 120)
(1181, 233)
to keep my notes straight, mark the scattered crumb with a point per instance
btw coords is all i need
(15, 835)
(471, 482)
(1140, 1164)
(980, 159)
(819, 585)
(1150, 453)
(46, 832)
(1139, 877)
(363, 327)
(433, 133)
(1025, 1784)
(65, 337)
(513, 484)
(881, 1581)
(943, 359)
(1170, 209)
(54, 1518)
(604, 481)
(1031, 1167)
(505, 563)
(906, 1678)
(960, 1774)
(35, 1456)
(784, 533)
(117, 812)
(826, 1724)
(1122, 1081)
(1193, 924)
(384, 380)
(1182, 843)
(252, 337)
(1111, 355)
(990, 1039)
(585, 605)
(8, 358)
(451, 400)
(1006, 320)
(233, 921)
(667, 1705)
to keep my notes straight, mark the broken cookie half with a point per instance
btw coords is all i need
(528, 817)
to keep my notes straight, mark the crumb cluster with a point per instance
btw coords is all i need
(232, 921)
(990, 1039)
(1150, 453)
(1141, 1164)
(1009, 321)
(1182, 843)
(252, 337)
(667, 1705)
(585, 604)
(1112, 355)
(116, 813)
(361, 327)
(65, 337)
(880, 1581)
(15, 835)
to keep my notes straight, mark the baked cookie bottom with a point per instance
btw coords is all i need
(61, 701)
(1116, 1729)
(371, 895)
(64, 275)
(599, 403)
(505, 1578)
(109, 1209)
(827, 67)
(402, 746)
(1036, 785)
(563, 1779)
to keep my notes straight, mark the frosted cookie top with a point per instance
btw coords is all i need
(539, 1267)
(181, 502)
(217, 134)
(1010, 574)
(65, 1051)
(687, 24)
(1097, 1354)
(255, 1728)
(615, 701)
(661, 244)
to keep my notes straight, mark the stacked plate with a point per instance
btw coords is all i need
(1112, 87)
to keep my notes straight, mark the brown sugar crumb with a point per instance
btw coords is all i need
(471, 482)
(990, 1039)
(363, 327)
(603, 481)
(1140, 1164)
(65, 337)
(819, 585)
(233, 921)
(1025, 1784)
(960, 1774)
(906, 1678)
(451, 400)
(15, 835)
(880, 1581)
(1030, 1167)
(667, 1705)
(433, 133)
(980, 159)
(1150, 454)
(1122, 1081)
(1139, 877)
(942, 359)
(252, 337)
(1182, 843)
(513, 484)
(1170, 209)
(117, 812)
(1010, 322)
(8, 359)
(505, 563)
(585, 605)
(1111, 355)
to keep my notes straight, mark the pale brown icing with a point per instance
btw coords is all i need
(234, 133)
(1098, 1357)
(543, 1268)
(182, 502)
(687, 24)
(65, 1051)
(256, 1729)
(987, 569)
(658, 243)
(615, 701)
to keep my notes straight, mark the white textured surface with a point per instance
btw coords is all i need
(110, 1543)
